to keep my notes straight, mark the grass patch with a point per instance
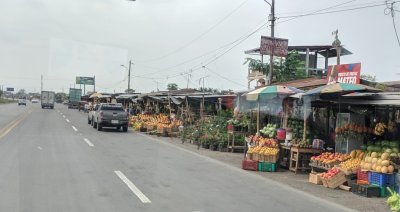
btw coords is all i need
(6, 101)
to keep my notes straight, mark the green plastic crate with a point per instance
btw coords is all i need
(266, 167)
(383, 190)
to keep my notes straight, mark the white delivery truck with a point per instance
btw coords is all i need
(47, 99)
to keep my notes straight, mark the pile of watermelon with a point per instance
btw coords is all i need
(390, 147)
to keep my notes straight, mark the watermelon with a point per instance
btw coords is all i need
(371, 148)
(378, 149)
(395, 150)
(363, 147)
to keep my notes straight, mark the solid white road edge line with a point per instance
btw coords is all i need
(67, 120)
(88, 142)
(133, 188)
(74, 128)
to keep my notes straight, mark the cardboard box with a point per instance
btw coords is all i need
(315, 178)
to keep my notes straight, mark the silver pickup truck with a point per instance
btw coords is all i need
(110, 115)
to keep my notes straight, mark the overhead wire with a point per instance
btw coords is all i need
(202, 34)
(199, 66)
(390, 10)
(225, 78)
(320, 12)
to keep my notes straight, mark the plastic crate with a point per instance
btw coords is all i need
(397, 189)
(250, 165)
(381, 179)
(384, 192)
(266, 167)
(366, 190)
(362, 177)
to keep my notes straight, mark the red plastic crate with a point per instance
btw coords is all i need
(250, 165)
(362, 177)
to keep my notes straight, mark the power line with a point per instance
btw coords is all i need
(329, 12)
(390, 10)
(202, 34)
(240, 39)
(225, 78)
(311, 11)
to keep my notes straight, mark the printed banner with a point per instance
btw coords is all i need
(344, 73)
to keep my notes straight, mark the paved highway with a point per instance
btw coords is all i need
(52, 160)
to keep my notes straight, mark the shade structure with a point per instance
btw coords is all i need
(98, 95)
(340, 89)
(270, 92)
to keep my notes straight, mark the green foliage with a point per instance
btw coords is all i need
(257, 65)
(20, 93)
(292, 68)
(368, 77)
(172, 86)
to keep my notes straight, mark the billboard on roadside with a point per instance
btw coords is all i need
(344, 73)
(85, 80)
(10, 89)
(277, 46)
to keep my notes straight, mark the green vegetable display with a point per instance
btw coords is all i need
(394, 200)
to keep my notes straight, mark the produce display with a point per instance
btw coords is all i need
(269, 130)
(394, 200)
(390, 147)
(330, 159)
(159, 121)
(330, 173)
(378, 162)
(263, 150)
(260, 141)
(354, 162)
(300, 143)
(380, 128)
(297, 126)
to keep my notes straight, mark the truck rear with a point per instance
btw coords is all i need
(47, 99)
(74, 97)
(111, 115)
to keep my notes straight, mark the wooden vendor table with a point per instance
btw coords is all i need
(231, 141)
(300, 158)
(285, 156)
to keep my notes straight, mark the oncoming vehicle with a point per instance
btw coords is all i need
(110, 115)
(35, 100)
(22, 101)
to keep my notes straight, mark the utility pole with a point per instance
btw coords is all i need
(271, 18)
(129, 76)
(94, 83)
(41, 82)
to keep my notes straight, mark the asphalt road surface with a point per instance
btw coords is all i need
(52, 160)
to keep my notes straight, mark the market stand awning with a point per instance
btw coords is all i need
(270, 92)
(337, 89)
(385, 98)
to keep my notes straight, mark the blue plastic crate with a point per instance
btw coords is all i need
(381, 179)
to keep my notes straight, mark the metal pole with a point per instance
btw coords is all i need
(94, 83)
(271, 60)
(129, 76)
(41, 82)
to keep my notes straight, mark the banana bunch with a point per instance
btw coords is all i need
(380, 128)
(391, 127)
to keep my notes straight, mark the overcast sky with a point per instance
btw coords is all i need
(62, 39)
